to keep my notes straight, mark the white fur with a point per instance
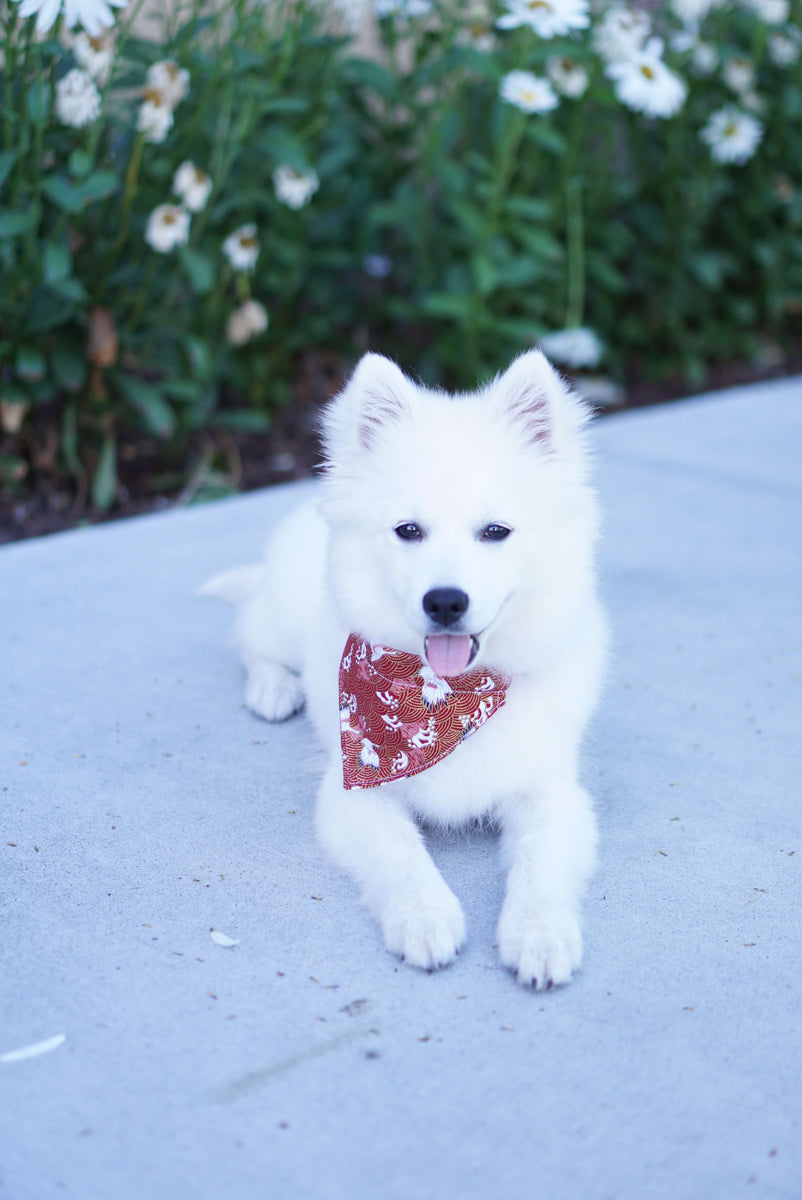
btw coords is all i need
(511, 454)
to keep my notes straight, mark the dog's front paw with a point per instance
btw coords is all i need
(543, 946)
(426, 930)
(273, 692)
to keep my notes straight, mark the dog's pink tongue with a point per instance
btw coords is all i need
(448, 653)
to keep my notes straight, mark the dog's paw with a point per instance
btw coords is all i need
(426, 930)
(273, 692)
(543, 946)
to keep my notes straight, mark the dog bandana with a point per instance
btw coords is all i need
(398, 718)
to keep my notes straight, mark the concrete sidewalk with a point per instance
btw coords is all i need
(141, 804)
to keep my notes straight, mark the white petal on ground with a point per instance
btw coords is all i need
(222, 939)
(34, 1049)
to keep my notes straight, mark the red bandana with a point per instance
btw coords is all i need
(398, 718)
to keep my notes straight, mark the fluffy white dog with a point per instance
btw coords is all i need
(454, 537)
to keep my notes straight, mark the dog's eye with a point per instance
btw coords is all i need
(495, 533)
(409, 532)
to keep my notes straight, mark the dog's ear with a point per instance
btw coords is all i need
(531, 394)
(378, 394)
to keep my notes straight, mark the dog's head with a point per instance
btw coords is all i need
(462, 526)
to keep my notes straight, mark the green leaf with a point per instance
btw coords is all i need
(447, 304)
(57, 262)
(365, 73)
(242, 420)
(14, 223)
(149, 401)
(484, 274)
(285, 104)
(200, 269)
(285, 147)
(183, 389)
(79, 163)
(69, 368)
(37, 101)
(7, 160)
(62, 193)
(97, 186)
(532, 208)
(72, 290)
(104, 483)
(199, 355)
(30, 365)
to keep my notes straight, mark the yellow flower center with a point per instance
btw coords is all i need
(647, 71)
(731, 130)
(169, 217)
(154, 96)
(533, 4)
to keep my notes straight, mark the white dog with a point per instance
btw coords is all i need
(448, 562)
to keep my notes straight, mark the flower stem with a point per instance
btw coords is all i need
(575, 244)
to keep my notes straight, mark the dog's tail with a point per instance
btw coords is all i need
(235, 586)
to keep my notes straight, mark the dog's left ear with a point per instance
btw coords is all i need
(378, 394)
(532, 395)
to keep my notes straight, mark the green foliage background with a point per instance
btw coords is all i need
(493, 226)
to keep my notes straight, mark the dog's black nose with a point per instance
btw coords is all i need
(445, 606)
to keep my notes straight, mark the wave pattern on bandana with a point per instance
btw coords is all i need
(398, 718)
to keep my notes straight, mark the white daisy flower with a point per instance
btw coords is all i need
(732, 135)
(739, 74)
(645, 84)
(94, 15)
(783, 51)
(573, 347)
(246, 322)
(704, 58)
(241, 248)
(528, 92)
(294, 188)
(621, 33)
(477, 30)
(192, 185)
(773, 12)
(167, 227)
(548, 18)
(155, 117)
(402, 8)
(170, 80)
(77, 99)
(95, 55)
(569, 78)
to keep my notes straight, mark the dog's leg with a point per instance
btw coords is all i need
(271, 690)
(376, 842)
(549, 841)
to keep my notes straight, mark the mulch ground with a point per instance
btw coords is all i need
(216, 463)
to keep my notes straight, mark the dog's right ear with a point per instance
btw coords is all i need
(377, 394)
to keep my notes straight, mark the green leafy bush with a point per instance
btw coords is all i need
(181, 219)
